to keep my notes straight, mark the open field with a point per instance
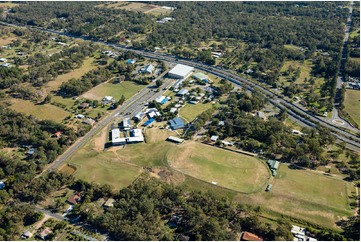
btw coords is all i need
(8, 5)
(46, 111)
(230, 170)
(352, 104)
(87, 66)
(125, 88)
(305, 195)
(7, 40)
(191, 111)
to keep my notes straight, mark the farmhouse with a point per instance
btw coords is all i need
(148, 69)
(44, 233)
(175, 140)
(199, 76)
(247, 236)
(180, 71)
(176, 123)
(74, 199)
(273, 164)
(135, 136)
(116, 139)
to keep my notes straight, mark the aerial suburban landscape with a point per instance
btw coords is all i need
(178, 120)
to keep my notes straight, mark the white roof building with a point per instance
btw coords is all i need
(126, 123)
(173, 110)
(148, 69)
(116, 139)
(108, 98)
(180, 71)
(136, 136)
(214, 138)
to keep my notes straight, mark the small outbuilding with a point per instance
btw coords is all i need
(182, 92)
(175, 140)
(247, 236)
(214, 138)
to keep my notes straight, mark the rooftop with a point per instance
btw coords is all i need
(181, 70)
(247, 236)
(176, 123)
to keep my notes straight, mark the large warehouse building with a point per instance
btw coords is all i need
(180, 71)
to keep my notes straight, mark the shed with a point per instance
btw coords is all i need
(109, 203)
(173, 110)
(130, 61)
(269, 187)
(175, 140)
(199, 76)
(180, 71)
(26, 235)
(149, 122)
(214, 138)
(176, 123)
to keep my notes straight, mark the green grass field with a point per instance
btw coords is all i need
(229, 169)
(305, 195)
(125, 88)
(191, 111)
(46, 111)
(352, 104)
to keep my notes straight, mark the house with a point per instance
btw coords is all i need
(2, 185)
(26, 235)
(161, 99)
(3, 60)
(109, 203)
(116, 138)
(80, 116)
(83, 105)
(173, 110)
(182, 92)
(108, 99)
(247, 236)
(261, 115)
(44, 233)
(295, 131)
(176, 123)
(199, 76)
(178, 84)
(30, 152)
(74, 199)
(130, 61)
(57, 134)
(148, 69)
(175, 140)
(180, 71)
(300, 234)
(88, 121)
(139, 116)
(214, 138)
(136, 136)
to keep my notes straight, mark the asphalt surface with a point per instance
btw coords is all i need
(352, 140)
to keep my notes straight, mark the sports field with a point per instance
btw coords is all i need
(228, 169)
(352, 104)
(125, 88)
(45, 111)
(306, 195)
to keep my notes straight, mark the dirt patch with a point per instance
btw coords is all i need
(90, 96)
(100, 140)
(167, 175)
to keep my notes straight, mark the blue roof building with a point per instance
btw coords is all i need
(130, 61)
(2, 185)
(148, 122)
(176, 123)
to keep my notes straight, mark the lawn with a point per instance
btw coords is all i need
(87, 66)
(125, 88)
(46, 111)
(352, 104)
(228, 169)
(191, 111)
(305, 195)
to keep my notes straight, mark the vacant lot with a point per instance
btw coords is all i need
(352, 104)
(231, 170)
(87, 66)
(125, 88)
(191, 111)
(306, 195)
(46, 111)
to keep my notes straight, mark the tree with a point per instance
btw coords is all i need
(158, 82)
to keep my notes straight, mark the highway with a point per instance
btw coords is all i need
(131, 106)
(352, 140)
